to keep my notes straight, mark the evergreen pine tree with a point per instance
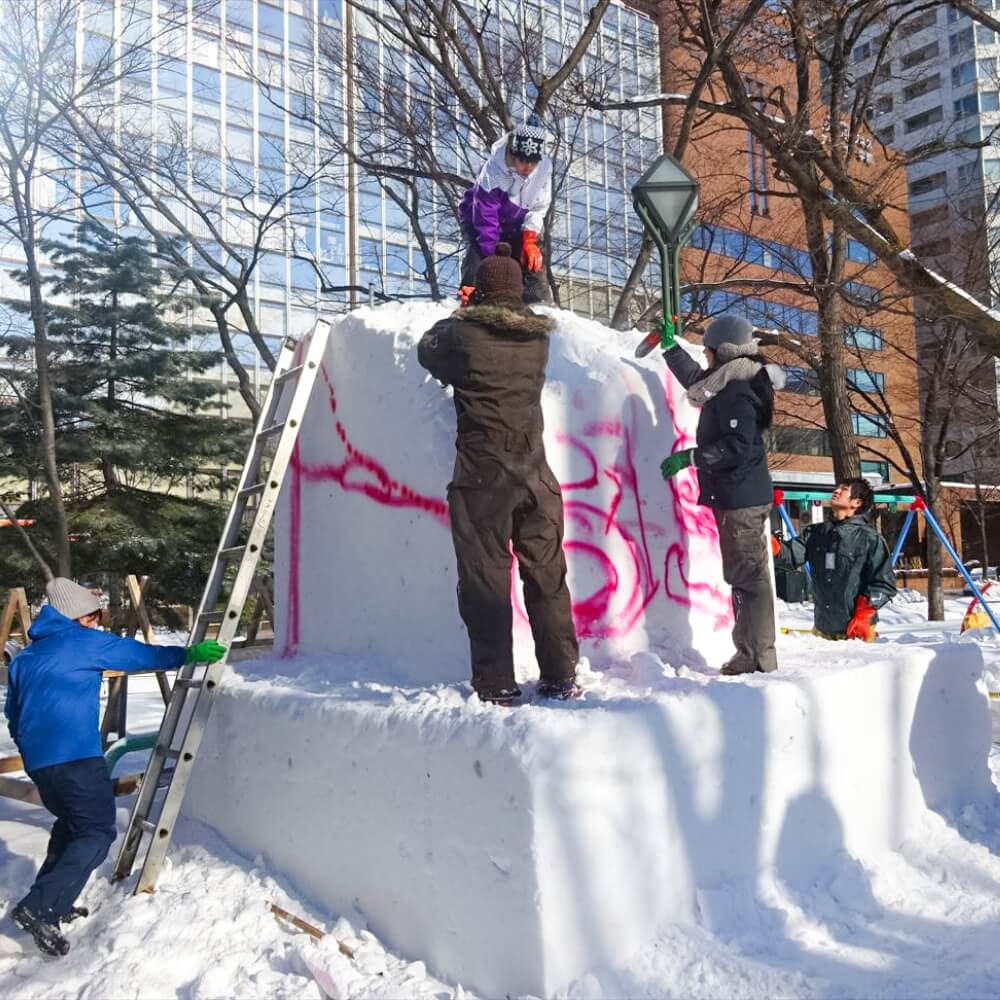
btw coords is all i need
(134, 422)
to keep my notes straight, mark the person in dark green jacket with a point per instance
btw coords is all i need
(850, 564)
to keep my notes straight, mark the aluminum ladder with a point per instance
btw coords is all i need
(195, 686)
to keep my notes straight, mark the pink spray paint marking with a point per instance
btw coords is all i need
(625, 580)
(698, 525)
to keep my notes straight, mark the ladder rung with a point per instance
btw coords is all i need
(232, 553)
(251, 491)
(172, 754)
(270, 430)
(147, 826)
(212, 617)
(188, 682)
(289, 375)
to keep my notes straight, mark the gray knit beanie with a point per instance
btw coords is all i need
(728, 329)
(70, 599)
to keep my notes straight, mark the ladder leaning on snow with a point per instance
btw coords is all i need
(242, 540)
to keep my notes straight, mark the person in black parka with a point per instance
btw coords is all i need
(736, 398)
(849, 562)
(493, 352)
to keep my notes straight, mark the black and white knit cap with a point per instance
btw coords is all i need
(527, 141)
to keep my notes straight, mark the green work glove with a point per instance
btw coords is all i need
(208, 651)
(668, 330)
(673, 464)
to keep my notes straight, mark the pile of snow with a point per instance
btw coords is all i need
(365, 563)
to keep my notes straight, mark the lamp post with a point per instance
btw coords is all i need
(666, 200)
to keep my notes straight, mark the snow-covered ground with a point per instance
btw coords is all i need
(922, 921)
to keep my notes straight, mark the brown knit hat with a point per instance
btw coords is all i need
(499, 277)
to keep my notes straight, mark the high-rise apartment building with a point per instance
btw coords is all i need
(935, 95)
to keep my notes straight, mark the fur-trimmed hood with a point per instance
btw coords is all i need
(513, 323)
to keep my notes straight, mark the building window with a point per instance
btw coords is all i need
(918, 23)
(801, 381)
(875, 468)
(869, 425)
(865, 338)
(859, 252)
(963, 74)
(968, 173)
(989, 100)
(922, 87)
(966, 106)
(800, 440)
(927, 184)
(960, 41)
(861, 380)
(929, 117)
(860, 292)
(918, 56)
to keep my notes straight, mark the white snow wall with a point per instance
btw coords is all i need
(516, 850)
(365, 563)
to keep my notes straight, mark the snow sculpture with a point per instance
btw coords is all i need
(365, 560)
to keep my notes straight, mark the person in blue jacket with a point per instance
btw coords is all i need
(52, 708)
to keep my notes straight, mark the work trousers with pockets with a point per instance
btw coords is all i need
(746, 568)
(80, 795)
(523, 512)
(535, 289)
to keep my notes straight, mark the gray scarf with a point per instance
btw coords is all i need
(735, 365)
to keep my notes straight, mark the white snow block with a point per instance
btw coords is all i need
(515, 850)
(364, 557)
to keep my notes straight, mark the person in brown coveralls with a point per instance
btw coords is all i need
(493, 353)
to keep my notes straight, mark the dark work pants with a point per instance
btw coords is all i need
(746, 569)
(485, 521)
(81, 797)
(535, 289)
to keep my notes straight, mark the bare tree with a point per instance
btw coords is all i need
(37, 46)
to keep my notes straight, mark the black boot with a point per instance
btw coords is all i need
(46, 935)
(75, 913)
(560, 690)
(504, 698)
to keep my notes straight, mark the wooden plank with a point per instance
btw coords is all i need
(23, 789)
(138, 616)
(16, 605)
(8, 764)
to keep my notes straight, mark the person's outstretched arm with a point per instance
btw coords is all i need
(683, 367)
(113, 652)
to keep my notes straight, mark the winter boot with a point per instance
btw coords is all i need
(46, 935)
(504, 698)
(559, 690)
(75, 913)
(738, 665)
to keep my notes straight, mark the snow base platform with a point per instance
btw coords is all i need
(515, 849)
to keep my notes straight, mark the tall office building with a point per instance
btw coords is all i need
(227, 84)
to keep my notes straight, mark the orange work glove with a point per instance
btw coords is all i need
(531, 256)
(860, 626)
(775, 546)
(465, 294)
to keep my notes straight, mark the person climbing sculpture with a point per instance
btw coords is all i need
(508, 203)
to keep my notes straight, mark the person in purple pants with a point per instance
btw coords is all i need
(507, 204)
